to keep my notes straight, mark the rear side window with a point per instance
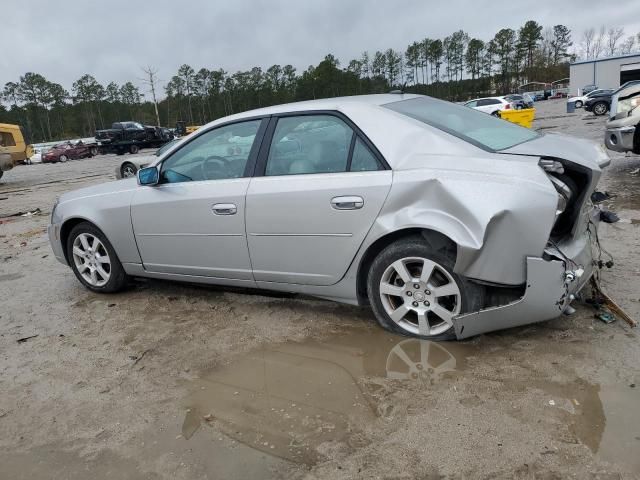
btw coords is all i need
(309, 144)
(363, 160)
(482, 130)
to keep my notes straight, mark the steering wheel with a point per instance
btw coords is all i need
(212, 166)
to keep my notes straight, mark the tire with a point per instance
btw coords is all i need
(600, 108)
(419, 304)
(496, 113)
(120, 152)
(1, 173)
(578, 104)
(63, 158)
(93, 151)
(128, 169)
(99, 275)
(133, 149)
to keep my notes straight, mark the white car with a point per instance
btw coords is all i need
(581, 100)
(490, 105)
(36, 157)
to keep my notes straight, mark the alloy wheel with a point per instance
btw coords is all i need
(91, 259)
(420, 296)
(600, 109)
(128, 171)
(63, 158)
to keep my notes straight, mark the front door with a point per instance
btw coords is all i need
(321, 190)
(192, 222)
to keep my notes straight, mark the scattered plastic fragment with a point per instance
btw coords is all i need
(607, 216)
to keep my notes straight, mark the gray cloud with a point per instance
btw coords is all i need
(113, 39)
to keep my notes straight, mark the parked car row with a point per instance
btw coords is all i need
(495, 105)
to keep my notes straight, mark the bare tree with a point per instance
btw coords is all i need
(151, 80)
(628, 45)
(613, 36)
(598, 45)
(587, 40)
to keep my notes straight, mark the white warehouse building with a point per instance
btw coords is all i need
(608, 72)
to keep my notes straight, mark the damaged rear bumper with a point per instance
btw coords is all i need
(550, 287)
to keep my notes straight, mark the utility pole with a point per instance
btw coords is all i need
(151, 79)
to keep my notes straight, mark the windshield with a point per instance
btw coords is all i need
(480, 129)
(166, 147)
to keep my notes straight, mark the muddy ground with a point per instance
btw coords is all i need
(170, 381)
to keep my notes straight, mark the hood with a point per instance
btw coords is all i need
(576, 150)
(128, 185)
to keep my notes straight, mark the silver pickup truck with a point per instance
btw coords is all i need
(623, 128)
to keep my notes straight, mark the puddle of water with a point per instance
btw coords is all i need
(299, 402)
(297, 399)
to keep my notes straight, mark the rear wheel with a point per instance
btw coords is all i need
(496, 113)
(578, 104)
(93, 259)
(93, 151)
(413, 290)
(600, 108)
(133, 149)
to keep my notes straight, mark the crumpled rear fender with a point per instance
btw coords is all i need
(497, 221)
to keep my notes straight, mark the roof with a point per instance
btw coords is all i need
(334, 103)
(616, 57)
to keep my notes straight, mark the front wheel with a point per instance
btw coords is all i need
(578, 104)
(496, 113)
(600, 108)
(63, 158)
(413, 290)
(93, 259)
(128, 170)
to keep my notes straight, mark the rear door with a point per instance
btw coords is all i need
(318, 189)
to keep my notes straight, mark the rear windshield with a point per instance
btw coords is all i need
(480, 129)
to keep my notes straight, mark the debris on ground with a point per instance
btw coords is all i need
(607, 216)
(604, 315)
(28, 213)
(602, 300)
(599, 197)
(24, 339)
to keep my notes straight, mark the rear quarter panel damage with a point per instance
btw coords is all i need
(498, 212)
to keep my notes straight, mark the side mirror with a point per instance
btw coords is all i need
(148, 176)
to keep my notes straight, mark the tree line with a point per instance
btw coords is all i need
(455, 68)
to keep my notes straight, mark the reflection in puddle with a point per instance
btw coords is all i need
(296, 399)
(303, 402)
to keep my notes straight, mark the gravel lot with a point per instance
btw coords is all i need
(175, 381)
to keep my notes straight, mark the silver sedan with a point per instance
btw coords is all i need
(446, 221)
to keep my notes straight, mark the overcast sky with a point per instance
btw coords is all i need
(113, 39)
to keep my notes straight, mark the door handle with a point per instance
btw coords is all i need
(347, 203)
(224, 209)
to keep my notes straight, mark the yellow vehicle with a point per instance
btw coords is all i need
(183, 129)
(13, 147)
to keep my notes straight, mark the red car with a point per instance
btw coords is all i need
(68, 151)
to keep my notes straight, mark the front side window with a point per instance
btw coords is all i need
(484, 131)
(218, 154)
(309, 144)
